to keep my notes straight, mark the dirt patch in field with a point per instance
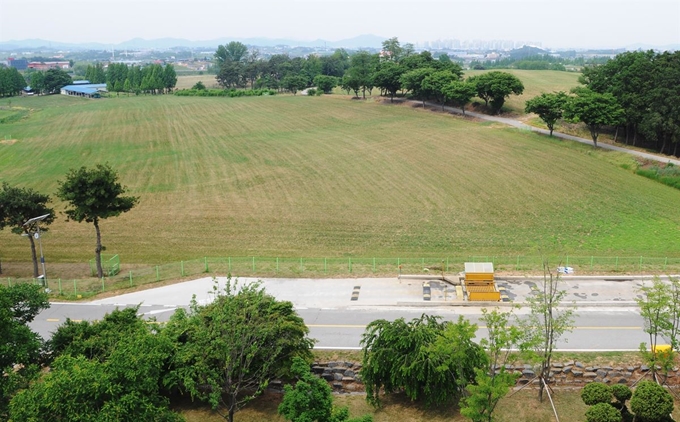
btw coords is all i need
(8, 141)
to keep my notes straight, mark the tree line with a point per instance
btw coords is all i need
(397, 69)
(646, 85)
(637, 93)
(153, 79)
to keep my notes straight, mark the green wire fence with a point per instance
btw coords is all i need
(347, 267)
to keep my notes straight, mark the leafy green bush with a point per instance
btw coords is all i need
(198, 86)
(603, 412)
(311, 92)
(651, 402)
(311, 399)
(595, 393)
(621, 392)
(224, 92)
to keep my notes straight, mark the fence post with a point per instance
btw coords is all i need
(373, 264)
(616, 264)
(640, 264)
(350, 265)
(158, 278)
(447, 264)
(131, 278)
(206, 264)
(422, 262)
(567, 264)
(229, 264)
(300, 264)
(517, 267)
(591, 262)
(664, 264)
(181, 266)
(398, 263)
(277, 264)
(102, 284)
(325, 266)
(9, 282)
(59, 281)
(75, 288)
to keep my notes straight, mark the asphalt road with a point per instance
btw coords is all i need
(606, 316)
(600, 328)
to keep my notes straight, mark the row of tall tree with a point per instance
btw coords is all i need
(11, 82)
(154, 79)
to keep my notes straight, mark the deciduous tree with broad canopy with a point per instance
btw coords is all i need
(17, 206)
(294, 83)
(460, 93)
(549, 107)
(229, 349)
(93, 195)
(594, 109)
(434, 85)
(426, 358)
(388, 77)
(102, 371)
(20, 347)
(495, 87)
(412, 80)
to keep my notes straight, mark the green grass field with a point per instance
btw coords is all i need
(327, 176)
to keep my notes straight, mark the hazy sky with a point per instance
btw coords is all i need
(555, 23)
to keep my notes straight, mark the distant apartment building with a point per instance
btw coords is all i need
(18, 64)
(49, 65)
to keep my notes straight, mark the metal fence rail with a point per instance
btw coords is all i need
(353, 267)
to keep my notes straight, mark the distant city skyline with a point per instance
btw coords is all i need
(552, 23)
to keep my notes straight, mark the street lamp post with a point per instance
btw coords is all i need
(36, 221)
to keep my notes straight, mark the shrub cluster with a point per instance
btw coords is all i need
(668, 175)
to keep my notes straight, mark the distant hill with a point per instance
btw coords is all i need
(361, 41)
(526, 51)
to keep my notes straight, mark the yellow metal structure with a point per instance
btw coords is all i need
(662, 349)
(479, 282)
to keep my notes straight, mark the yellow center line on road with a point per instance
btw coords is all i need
(480, 327)
(364, 326)
(335, 326)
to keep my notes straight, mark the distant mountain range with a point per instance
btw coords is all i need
(361, 41)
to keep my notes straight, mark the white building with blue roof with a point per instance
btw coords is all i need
(84, 90)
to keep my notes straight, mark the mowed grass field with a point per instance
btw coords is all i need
(327, 176)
